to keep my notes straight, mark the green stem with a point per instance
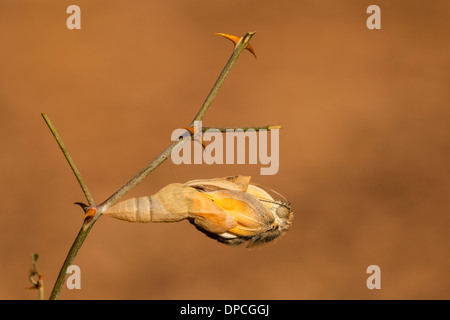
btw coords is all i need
(136, 179)
(82, 234)
(240, 46)
(36, 278)
(69, 160)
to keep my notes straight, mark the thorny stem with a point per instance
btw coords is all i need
(138, 178)
(88, 224)
(240, 46)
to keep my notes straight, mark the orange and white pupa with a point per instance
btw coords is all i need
(230, 210)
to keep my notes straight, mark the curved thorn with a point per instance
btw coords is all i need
(83, 206)
(191, 130)
(236, 40)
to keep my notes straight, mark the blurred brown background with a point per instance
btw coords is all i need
(364, 153)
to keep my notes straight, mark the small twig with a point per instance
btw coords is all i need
(88, 223)
(69, 160)
(240, 46)
(36, 278)
(256, 128)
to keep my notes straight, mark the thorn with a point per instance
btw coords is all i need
(89, 212)
(89, 215)
(191, 130)
(236, 40)
(83, 206)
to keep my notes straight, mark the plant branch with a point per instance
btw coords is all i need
(138, 178)
(69, 160)
(82, 234)
(88, 223)
(240, 46)
(36, 278)
(256, 128)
